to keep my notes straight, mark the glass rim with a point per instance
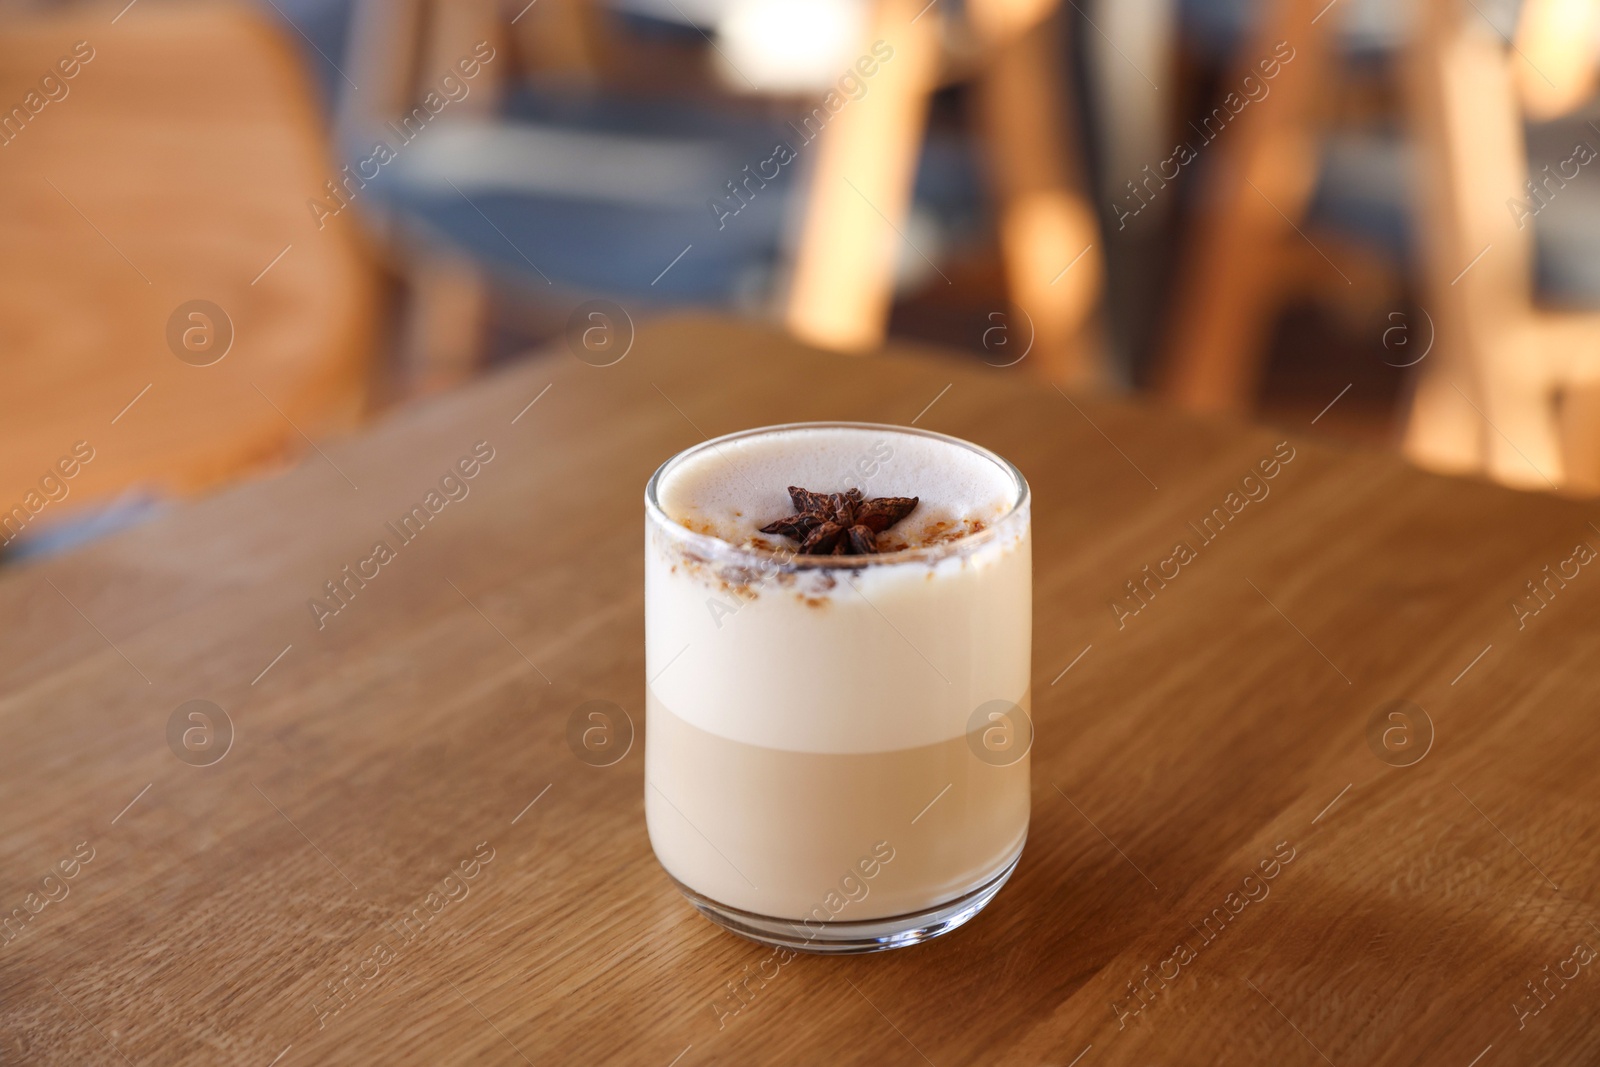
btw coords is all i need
(713, 546)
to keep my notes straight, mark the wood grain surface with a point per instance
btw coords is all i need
(1203, 773)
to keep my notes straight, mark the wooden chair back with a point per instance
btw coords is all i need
(173, 164)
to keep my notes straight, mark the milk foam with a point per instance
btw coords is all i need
(916, 643)
(733, 489)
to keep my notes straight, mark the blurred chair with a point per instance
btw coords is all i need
(1240, 260)
(571, 170)
(600, 192)
(1048, 234)
(172, 166)
(1047, 226)
(1470, 92)
(1513, 389)
(399, 50)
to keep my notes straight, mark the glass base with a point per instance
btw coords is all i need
(869, 935)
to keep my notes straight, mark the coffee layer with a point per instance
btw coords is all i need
(776, 832)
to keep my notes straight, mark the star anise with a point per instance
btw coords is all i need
(839, 524)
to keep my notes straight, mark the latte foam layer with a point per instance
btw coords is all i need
(733, 489)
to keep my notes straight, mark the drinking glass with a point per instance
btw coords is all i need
(836, 747)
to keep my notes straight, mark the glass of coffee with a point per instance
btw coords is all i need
(838, 629)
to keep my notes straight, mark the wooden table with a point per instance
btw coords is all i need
(1182, 754)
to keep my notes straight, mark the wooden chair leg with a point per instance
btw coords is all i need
(1524, 440)
(1442, 431)
(1049, 236)
(385, 36)
(562, 39)
(861, 186)
(443, 322)
(1580, 437)
(1261, 181)
(454, 29)
(401, 50)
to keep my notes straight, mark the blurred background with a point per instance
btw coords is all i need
(1375, 221)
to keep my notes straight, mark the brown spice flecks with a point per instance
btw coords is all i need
(940, 533)
(839, 524)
